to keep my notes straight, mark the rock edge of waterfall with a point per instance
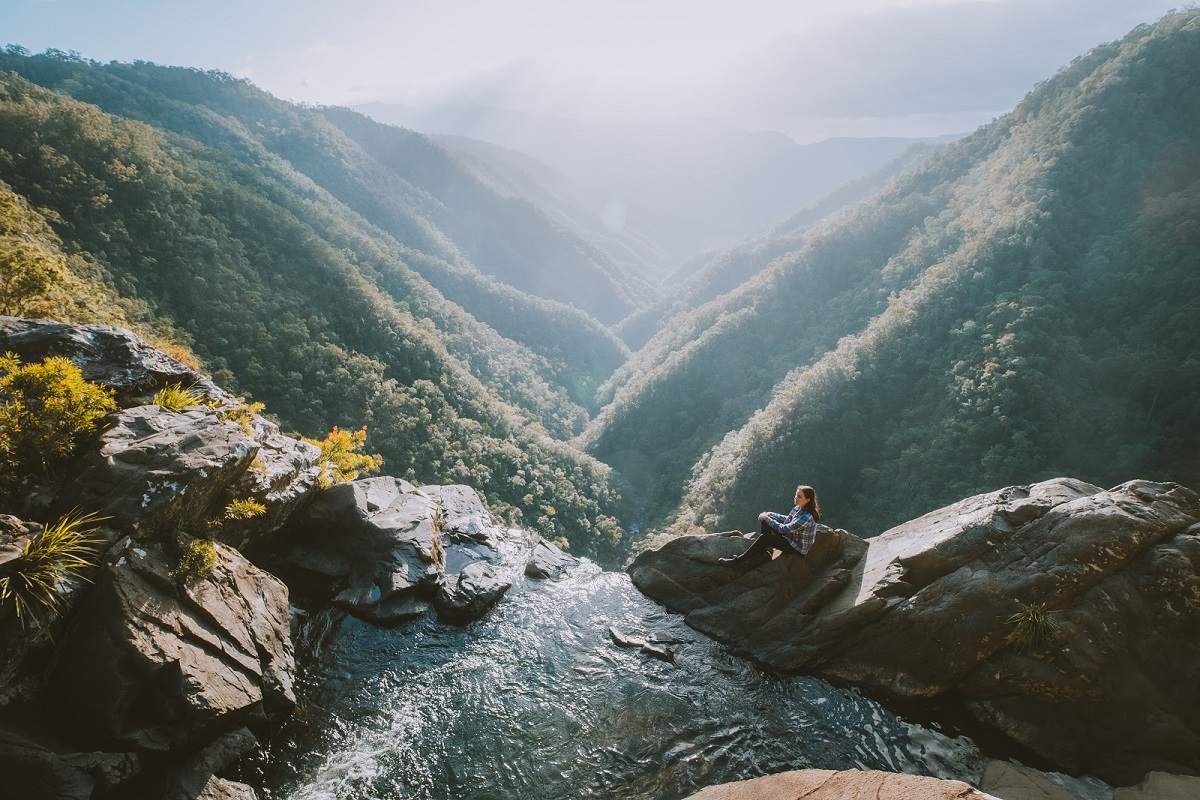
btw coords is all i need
(1063, 615)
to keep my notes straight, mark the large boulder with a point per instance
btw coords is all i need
(377, 536)
(852, 784)
(470, 593)
(1066, 616)
(155, 470)
(393, 549)
(159, 662)
(547, 561)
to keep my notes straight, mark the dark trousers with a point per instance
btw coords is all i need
(768, 539)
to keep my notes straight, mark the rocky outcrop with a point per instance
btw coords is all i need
(155, 471)
(112, 357)
(1104, 683)
(158, 668)
(824, 784)
(393, 549)
(155, 663)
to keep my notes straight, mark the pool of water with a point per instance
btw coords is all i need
(536, 700)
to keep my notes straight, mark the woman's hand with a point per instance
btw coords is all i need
(763, 515)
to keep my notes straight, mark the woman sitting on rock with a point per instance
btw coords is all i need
(794, 533)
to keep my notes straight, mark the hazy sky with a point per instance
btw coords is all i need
(810, 69)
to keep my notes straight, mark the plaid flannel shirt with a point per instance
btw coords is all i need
(798, 527)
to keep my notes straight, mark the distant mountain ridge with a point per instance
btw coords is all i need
(688, 186)
(582, 210)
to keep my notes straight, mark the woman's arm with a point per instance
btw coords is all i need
(802, 529)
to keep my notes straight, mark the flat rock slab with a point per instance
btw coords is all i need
(822, 784)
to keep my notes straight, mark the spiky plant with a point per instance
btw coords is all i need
(176, 397)
(35, 587)
(1032, 627)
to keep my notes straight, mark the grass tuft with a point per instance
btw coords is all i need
(243, 414)
(177, 398)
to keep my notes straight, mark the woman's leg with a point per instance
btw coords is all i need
(768, 539)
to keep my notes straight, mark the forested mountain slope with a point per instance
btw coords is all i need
(285, 291)
(1023, 305)
(506, 236)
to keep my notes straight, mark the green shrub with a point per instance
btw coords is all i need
(47, 408)
(243, 414)
(248, 508)
(340, 459)
(198, 560)
(1032, 627)
(175, 397)
(63, 550)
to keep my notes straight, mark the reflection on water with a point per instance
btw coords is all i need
(535, 701)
